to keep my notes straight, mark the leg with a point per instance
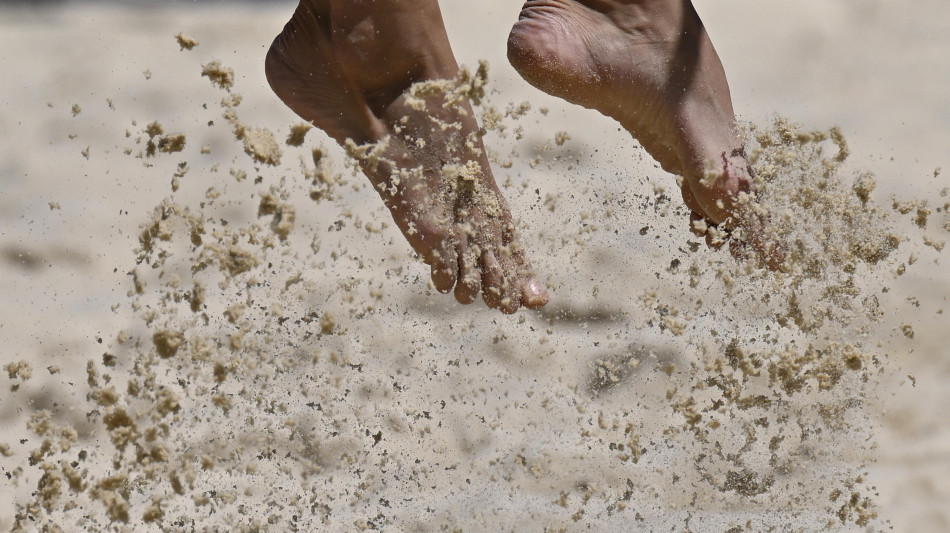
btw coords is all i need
(650, 65)
(347, 67)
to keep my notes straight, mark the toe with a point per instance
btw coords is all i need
(444, 272)
(469, 275)
(717, 199)
(439, 251)
(515, 268)
(697, 224)
(511, 284)
(511, 301)
(533, 293)
(436, 243)
(493, 280)
(690, 199)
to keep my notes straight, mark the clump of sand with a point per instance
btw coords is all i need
(297, 134)
(219, 75)
(259, 143)
(185, 42)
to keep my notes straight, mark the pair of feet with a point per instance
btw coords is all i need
(347, 66)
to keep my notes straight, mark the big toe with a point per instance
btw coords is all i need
(533, 293)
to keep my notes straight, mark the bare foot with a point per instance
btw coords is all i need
(650, 65)
(347, 66)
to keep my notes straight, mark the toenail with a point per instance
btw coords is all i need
(535, 287)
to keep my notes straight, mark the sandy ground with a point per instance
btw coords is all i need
(485, 422)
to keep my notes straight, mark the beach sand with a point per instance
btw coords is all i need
(270, 356)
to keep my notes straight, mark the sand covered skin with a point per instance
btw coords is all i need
(259, 350)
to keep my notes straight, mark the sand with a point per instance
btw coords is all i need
(238, 337)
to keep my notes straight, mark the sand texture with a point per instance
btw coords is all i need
(210, 320)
